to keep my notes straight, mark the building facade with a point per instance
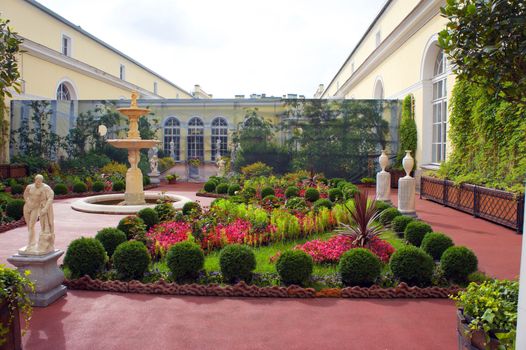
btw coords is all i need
(399, 56)
(61, 61)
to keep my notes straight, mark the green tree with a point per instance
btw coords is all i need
(9, 76)
(485, 40)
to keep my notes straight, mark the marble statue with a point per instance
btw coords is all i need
(172, 149)
(38, 199)
(154, 161)
(221, 166)
(218, 148)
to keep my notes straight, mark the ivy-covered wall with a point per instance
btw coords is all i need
(488, 136)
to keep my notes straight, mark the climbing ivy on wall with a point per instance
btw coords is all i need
(408, 138)
(488, 139)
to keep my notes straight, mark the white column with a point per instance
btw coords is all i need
(406, 188)
(383, 180)
(521, 319)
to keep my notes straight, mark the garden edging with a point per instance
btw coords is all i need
(241, 289)
(12, 225)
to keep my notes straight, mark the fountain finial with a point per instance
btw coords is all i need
(134, 96)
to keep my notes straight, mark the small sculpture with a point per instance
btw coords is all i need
(38, 199)
(220, 166)
(218, 148)
(154, 161)
(134, 96)
(172, 149)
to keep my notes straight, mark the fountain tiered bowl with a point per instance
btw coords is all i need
(134, 198)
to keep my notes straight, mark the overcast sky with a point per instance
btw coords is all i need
(230, 47)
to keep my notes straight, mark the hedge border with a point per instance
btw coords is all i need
(241, 289)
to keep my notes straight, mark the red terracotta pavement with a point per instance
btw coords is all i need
(97, 320)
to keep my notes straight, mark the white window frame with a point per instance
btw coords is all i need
(66, 51)
(439, 112)
(122, 72)
(155, 88)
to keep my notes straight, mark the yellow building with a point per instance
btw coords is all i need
(64, 62)
(398, 55)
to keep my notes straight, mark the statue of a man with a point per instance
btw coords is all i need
(38, 199)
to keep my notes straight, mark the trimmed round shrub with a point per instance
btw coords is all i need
(17, 189)
(222, 188)
(80, 187)
(335, 181)
(266, 191)
(400, 222)
(131, 260)
(412, 265)
(322, 203)
(387, 216)
(296, 203)
(335, 194)
(210, 186)
(294, 267)
(15, 209)
(435, 244)
(248, 192)
(110, 238)
(185, 260)
(359, 267)
(146, 180)
(415, 231)
(98, 186)
(165, 211)
(323, 180)
(85, 256)
(349, 190)
(381, 206)
(312, 194)
(118, 186)
(458, 263)
(60, 189)
(343, 184)
(237, 262)
(149, 216)
(133, 226)
(190, 207)
(232, 189)
(291, 192)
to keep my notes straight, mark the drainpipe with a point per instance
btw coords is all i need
(521, 317)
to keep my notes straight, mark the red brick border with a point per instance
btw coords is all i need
(242, 289)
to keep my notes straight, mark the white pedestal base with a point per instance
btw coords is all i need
(406, 196)
(383, 186)
(45, 274)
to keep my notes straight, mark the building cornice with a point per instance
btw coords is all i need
(45, 53)
(102, 43)
(412, 23)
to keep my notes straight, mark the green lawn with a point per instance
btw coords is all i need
(263, 255)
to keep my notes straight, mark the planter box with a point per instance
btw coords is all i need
(501, 207)
(470, 339)
(13, 171)
(14, 337)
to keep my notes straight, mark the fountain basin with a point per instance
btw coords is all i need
(99, 204)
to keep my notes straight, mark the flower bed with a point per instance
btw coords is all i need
(12, 225)
(88, 194)
(243, 289)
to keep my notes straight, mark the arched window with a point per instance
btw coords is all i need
(63, 93)
(172, 138)
(439, 103)
(219, 132)
(195, 140)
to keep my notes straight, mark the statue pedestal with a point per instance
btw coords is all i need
(406, 196)
(45, 274)
(155, 177)
(383, 186)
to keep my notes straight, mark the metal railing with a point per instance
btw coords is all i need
(501, 207)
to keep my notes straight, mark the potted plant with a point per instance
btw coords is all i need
(487, 314)
(195, 162)
(14, 299)
(172, 178)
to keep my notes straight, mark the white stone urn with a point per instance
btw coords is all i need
(408, 162)
(383, 160)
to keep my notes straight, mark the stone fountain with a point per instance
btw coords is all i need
(134, 198)
(134, 194)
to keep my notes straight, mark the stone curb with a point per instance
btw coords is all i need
(241, 289)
